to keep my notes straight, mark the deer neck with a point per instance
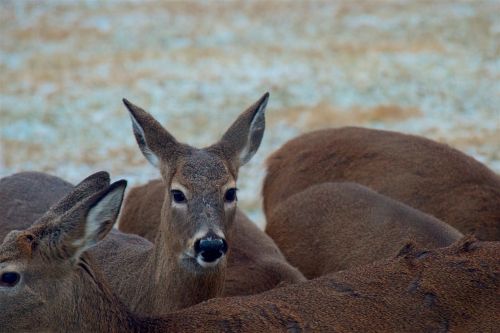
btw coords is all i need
(98, 309)
(174, 285)
(91, 306)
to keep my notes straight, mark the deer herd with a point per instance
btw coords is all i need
(367, 231)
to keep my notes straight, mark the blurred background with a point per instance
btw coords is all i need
(425, 67)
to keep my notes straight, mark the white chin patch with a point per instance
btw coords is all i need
(206, 264)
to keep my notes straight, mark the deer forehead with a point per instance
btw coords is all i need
(10, 251)
(11, 248)
(7, 254)
(203, 171)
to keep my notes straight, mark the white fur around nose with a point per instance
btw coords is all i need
(206, 264)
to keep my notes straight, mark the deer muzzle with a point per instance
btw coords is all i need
(209, 250)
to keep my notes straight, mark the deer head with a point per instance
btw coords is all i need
(200, 199)
(41, 267)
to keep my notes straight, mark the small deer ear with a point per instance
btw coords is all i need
(242, 139)
(154, 141)
(100, 213)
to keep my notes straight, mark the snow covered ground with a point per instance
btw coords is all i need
(431, 68)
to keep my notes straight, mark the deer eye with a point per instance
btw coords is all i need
(230, 195)
(178, 196)
(9, 279)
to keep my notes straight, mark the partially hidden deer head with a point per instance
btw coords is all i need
(200, 184)
(37, 264)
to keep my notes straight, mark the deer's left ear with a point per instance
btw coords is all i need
(104, 212)
(91, 221)
(243, 138)
(92, 184)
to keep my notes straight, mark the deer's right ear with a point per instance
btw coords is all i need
(154, 141)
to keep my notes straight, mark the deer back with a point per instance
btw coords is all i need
(410, 292)
(25, 196)
(141, 213)
(421, 173)
(336, 226)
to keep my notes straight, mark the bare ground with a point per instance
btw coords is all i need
(424, 67)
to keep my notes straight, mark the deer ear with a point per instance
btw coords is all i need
(104, 212)
(90, 185)
(99, 214)
(242, 139)
(154, 141)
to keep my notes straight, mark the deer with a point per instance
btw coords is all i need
(191, 214)
(331, 227)
(174, 273)
(429, 176)
(50, 282)
(124, 259)
(25, 196)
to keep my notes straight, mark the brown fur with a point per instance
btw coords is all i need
(336, 226)
(137, 271)
(20, 200)
(421, 173)
(58, 287)
(451, 290)
(152, 279)
(135, 268)
(255, 263)
(454, 289)
(203, 175)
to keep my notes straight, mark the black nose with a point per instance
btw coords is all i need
(210, 248)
